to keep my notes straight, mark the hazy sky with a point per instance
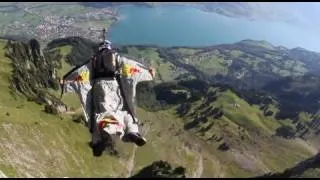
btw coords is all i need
(303, 13)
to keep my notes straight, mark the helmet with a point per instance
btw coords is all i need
(105, 44)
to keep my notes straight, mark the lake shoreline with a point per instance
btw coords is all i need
(200, 6)
(177, 25)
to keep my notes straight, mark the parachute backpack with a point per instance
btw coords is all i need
(104, 63)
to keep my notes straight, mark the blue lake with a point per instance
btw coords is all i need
(188, 26)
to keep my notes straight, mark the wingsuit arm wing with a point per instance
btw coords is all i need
(79, 75)
(135, 70)
(78, 80)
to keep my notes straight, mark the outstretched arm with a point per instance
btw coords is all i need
(152, 71)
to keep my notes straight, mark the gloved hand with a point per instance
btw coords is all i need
(152, 72)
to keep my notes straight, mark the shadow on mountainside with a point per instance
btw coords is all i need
(297, 170)
(160, 169)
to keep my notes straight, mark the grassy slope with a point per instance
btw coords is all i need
(253, 155)
(263, 154)
(35, 144)
(262, 150)
(41, 145)
(58, 147)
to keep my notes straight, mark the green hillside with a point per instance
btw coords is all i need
(37, 144)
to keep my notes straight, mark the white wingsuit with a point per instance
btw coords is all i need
(107, 100)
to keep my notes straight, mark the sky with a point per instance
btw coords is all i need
(302, 13)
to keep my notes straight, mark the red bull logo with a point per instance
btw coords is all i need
(107, 121)
(134, 70)
(129, 71)
(83, 76)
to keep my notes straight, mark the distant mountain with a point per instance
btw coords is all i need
(109, 4)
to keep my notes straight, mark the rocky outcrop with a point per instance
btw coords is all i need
(34, 73)
(55, 109)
